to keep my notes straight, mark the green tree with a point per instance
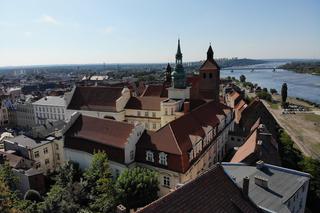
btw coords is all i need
(68, 173)
(273, 91)
(284, 93)
(137, 187)
(105, 198)
(264, 95)
(99, 168)
(242, 78)
(7, 176)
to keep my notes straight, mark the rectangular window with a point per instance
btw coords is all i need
(166, 111)
(149, 156)
(163, 158)
(166, 181)
(139, 113)
(171, 111)
(131, 155)
(57, 146)
(46, 161)
(36, 154)
(57, 156)
(38, 164)
(45, 150)
(153, 114)
(146, 114)
(154, 125)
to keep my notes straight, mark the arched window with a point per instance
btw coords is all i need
(149, 156)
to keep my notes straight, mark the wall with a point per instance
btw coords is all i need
(118, 116)
(131, 116)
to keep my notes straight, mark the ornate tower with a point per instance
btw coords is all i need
(178, 75)
(209, 78)
(168, 74)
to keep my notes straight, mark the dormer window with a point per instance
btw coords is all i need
(163, 158)
(149, 156)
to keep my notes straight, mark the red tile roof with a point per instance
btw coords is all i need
(95, 98)
(174, 137)
(251, 151)
(213, 191)
(103, 131)
(144, 103)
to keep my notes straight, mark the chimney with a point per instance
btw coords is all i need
(121, 209)
(260, 164)
(245, 186)
(186, 107)
(261, 181)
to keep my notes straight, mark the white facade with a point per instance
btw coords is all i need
(49, 108)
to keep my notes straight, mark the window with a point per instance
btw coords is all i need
(163, 158)
(149, 156)
(204, 75)
(46, 161)
(38, 164)
(210, 75)
(36, 154)
(166, 111)
(171, 111)
(45, 150)
(139, 113)
(166, 181)
(154, 125)
(57, 146)
(146, 114)
(57, 156)
(132, 155)
(153, 114)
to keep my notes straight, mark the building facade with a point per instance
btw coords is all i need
(49, 108)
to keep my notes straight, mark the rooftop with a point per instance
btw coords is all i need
(51, 101)
(282, 183)
(213, 191)
(27, 142)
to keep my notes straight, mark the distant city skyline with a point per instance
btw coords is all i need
(82, 32)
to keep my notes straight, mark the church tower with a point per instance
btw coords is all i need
(209, 78)
(179, 75)
(178, 89)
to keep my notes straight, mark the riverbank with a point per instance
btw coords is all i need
(312, 67)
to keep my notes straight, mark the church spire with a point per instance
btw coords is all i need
(210, 53)
(179, 54)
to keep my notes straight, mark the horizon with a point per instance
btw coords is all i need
(44, 33)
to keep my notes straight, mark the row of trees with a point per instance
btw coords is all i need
(94, 190)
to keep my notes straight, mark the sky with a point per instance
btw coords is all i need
(35, 32)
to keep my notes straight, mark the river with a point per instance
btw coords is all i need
(300, 85)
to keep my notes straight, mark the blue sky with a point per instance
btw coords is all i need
(134, 31)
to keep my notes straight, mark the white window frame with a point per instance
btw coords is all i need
(149, 156)
(163, 158)
(132, 155)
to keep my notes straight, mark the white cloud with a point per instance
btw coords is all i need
(48, 19)
(108, 30)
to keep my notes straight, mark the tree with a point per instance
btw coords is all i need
(242, 78)
(99, 168)
(273, 91)
(7, 176)
(284, 93)
(264, 95)
(137, 187)
(60, 199)
(105, 199)
(68, 174)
